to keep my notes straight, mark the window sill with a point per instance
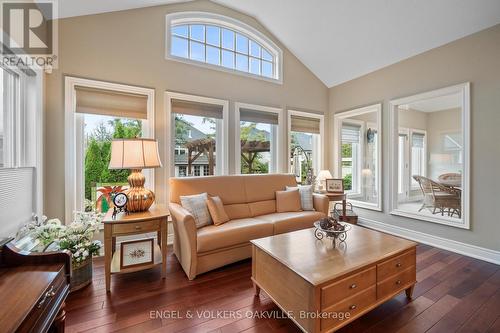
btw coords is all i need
(435, 219)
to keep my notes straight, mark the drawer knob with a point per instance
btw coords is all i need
(398, 282)
(352, 307)
(398, 264)
(353, 286)
(137, 227)
(49, 294)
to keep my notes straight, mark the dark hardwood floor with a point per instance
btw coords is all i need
(454, 293)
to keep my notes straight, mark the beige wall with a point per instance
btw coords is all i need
(129, 47)
(476, 59)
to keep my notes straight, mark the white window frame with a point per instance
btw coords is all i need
(74, 143)
(464, 90)
(194, 17)
(276, 164)
(318, 161)
(337, 151)
(222, 137)
(26, 125)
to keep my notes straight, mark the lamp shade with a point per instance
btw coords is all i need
(138, 153)
(324, 174)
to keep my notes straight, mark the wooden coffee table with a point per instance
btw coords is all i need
(322, 288)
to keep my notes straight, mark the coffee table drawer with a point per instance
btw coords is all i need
(127, 228)
(347, 287)
(396, 282)
(396, 265)
(353, 305)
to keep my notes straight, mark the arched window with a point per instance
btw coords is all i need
(223, 42)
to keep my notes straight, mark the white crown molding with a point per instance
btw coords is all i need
(469, 250)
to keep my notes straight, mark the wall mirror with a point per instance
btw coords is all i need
(430, 156)
(357, 156)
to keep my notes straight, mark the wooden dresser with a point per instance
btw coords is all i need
(33, 287)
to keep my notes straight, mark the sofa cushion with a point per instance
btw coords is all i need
(291, 221)
(306, 196)
(237, 211)
(234, 232)
(262, 207)
(216, 209)
(288, 201)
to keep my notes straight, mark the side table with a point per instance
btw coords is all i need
(153, 220)
(338, 197)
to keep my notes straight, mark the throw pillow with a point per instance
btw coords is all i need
(288, 201)
(216, 209)
(306, 196)
(197, 206)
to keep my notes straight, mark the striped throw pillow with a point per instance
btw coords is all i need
(197, 206)
(306, 196)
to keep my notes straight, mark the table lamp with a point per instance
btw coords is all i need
(136, 154)
(323, 175)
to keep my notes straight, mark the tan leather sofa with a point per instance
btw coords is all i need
(249, 201)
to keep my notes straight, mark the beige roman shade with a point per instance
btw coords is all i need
(111, 103)
(305, 124)
(197, 109)
(255, 116)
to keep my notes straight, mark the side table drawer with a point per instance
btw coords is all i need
(396, 282)
(348, 286)
(396, 265)
(137, 227)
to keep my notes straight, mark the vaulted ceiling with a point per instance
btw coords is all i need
(339, 40)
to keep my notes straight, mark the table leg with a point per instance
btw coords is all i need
(409, 291)
(256, 289)
(108, 248)
(164, 234)
(158, 236)
(344, 209)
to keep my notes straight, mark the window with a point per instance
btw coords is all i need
(9, 99)
(430, 162)
(357, 152)
(352, 158)
(257, 133)
(21, 138)
(97, 112)
(198, 130)
(225, 43)
(418, 160)
(306, 141)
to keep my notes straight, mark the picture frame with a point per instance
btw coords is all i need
(335, 185)
(136, 253)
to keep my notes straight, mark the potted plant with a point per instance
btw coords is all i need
(77, 238)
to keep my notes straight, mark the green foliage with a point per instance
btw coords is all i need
(348, 182)
(181, 130)
(98, 153)
(250, 132)
(346, 150)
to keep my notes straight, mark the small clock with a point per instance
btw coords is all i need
(120, 201)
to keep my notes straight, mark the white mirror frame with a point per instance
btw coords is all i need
(338, 118)
(464, 90)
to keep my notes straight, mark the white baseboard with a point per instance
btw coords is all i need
(442, 243)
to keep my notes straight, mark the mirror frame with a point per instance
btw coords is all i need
(464, 90)
(338, 118)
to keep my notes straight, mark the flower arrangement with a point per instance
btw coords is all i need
(76, 237)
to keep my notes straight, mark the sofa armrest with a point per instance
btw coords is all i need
(185, 238)
(321, 203)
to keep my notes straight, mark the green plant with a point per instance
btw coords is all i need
(348, 182)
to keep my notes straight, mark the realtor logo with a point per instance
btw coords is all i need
(29, 33)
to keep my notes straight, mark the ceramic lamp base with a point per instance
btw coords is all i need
(139, 197)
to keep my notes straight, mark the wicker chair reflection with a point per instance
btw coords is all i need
(439, 198)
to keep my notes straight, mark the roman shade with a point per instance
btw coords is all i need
(197, 109)
(418, 140)
(350, 133)
(305, 124)
(111, 103)
(261, 117)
